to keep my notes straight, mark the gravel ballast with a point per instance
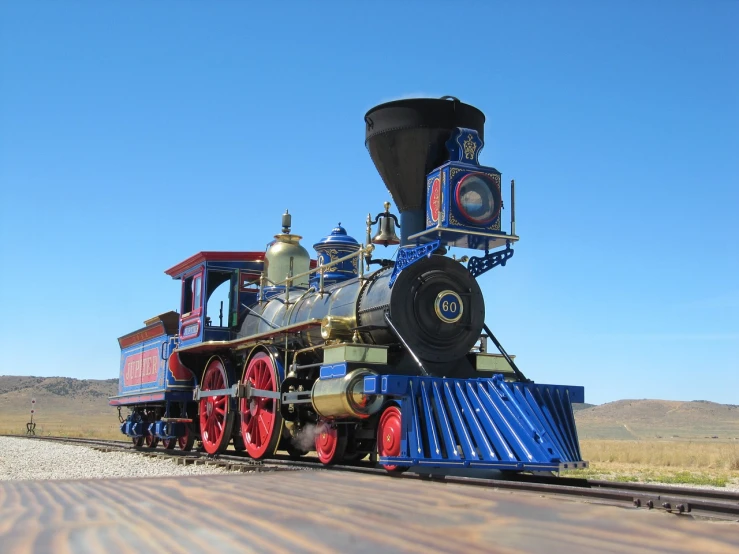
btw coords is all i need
(23, 459)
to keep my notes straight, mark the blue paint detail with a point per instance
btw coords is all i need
(164, 381)
(167, 430)
(134, 384)
(394, 385)
(408, 255)
(450, 305)
(464, 145)
(371, 385)
(210, 327)
(333, 371)
(184, 395)
(332, 247)
(483, 423)
(133, 427)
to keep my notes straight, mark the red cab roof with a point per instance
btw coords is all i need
(201, 257)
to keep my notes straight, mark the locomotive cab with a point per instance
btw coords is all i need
(215, 285)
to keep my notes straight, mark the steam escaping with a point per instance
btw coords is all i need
(305, 440)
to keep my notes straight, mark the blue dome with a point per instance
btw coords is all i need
(337, 237)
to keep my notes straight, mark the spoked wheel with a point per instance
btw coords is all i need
(169, 444)
(389, 435)
(330, 442)
(151, 440)
(138, 442)
(186, 441)
(261, 421)
(216, 418)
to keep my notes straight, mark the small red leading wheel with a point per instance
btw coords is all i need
(260, 416)
(186, 441)
(330, 442)
(169, 444)
(389, 435)
(215, 417)
(151, 440)
(138, 441)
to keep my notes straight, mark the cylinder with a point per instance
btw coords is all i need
(344, 397)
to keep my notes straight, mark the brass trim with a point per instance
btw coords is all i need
(437, 306)
(251, 340)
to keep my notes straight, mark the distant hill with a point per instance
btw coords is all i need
(666, 419)
(58, 386)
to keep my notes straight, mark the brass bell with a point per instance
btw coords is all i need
(385, 228)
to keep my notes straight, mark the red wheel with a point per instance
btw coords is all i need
(169, 444)
(151, 440)
(389, 435)
(261, 421)
(330, 442)
(138, 442)
(186, 441)
(215, 417)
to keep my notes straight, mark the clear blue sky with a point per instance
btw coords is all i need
(134, 134)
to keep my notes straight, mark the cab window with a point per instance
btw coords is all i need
(197, 288)
(192, 293)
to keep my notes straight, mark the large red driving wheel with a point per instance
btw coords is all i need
(215, 416)
(330, 442)
(389, 435)
(261, 421)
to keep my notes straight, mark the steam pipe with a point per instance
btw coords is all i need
(408, 348)
(412, 221)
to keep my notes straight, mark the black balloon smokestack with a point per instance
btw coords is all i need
(405, 139)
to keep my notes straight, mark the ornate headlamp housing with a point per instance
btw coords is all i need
(463, 198)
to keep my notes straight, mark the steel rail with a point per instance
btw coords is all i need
(704, 503)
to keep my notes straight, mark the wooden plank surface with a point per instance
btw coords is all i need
(322, 511)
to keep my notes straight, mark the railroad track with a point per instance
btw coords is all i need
(683, 501)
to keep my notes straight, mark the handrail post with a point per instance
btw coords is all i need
(320, 276)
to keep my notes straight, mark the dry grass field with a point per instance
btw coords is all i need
(663, 441)
(696, 462)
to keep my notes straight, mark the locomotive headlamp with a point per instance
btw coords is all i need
(464, 202)
(478, 198)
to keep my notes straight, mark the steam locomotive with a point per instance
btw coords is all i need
(350, 355)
